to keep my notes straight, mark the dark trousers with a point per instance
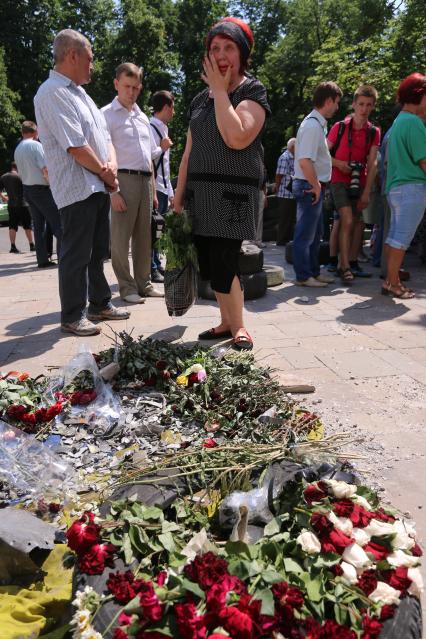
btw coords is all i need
(43, 209)
(85, 246)
(163, 204)
(287, 220)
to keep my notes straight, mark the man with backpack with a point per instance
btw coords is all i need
(163, 104)
(134, 144)
(353, 144)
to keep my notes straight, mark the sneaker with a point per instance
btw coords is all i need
(157, 277)
(82, 328)
(327, 279)
(32, 246)
(13, 249)
(311, 282)
(134, 298)
(150, 291)
(110, 313)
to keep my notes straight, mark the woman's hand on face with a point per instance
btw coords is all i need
(213, 77)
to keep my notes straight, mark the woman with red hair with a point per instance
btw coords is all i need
(221, 171)
(406, 179)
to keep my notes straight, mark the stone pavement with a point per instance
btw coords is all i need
(365, 353)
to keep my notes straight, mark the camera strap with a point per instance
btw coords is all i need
(160, 162)
(369, 138)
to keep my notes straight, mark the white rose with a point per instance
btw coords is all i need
(356, 556)
(341, 489)
(378, 528)
(417, 586)
(361, 501)
(349, 573)
(403, 539)
(385, 594)
(341, 523)
(309, 542)
(400, 558)
(405, 526)
(360, 536)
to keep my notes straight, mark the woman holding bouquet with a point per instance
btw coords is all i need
(221, 171)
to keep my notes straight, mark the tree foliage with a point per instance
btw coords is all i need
(298, 43)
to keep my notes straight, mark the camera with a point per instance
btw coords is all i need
(354, 185)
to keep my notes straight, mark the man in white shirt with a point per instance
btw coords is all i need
(312, 171)
(163, 104)
(134, 144)
(81, 163)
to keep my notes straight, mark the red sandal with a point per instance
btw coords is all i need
(243, 342)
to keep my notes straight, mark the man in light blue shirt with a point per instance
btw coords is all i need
(82, 171)
(312, 171)
(29, 158)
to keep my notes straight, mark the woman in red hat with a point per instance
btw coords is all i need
(221, 171)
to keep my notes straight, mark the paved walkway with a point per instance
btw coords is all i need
(365, 353)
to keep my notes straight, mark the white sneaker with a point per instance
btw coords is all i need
(150, 291)
(312, 282)
(134, 298)
(82, 328)
(327, 279)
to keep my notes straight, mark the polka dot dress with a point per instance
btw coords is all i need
(223, 184)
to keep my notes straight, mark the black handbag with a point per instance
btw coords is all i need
(157, 226)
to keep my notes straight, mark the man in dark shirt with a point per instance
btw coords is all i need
(19, 213)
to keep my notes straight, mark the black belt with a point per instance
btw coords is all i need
(134, 172)
(222, 177)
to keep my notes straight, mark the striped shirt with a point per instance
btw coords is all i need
(285, 167)
(67, 117)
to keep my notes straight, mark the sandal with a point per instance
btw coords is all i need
(243, 342)
(213, 334)
(398, 291)
(345, 275)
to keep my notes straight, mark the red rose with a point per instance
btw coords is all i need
(93, 562)
(387, 612)
(336, 539)
(150, 604)
(239, 624)
(53, 410)
(343, 507)
(360, 517)
(333, 630)
(371, 628)
(190, 623)
(83, 534)
(379, 552)
(368, 581)
(381, 515)
(320, 523)
(121, 586)
(206, 570)
(398, 579)
(314, 493)
(209, 443)
(416, 550)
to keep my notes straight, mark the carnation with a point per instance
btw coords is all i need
(371, 627)
(189, 622)
(83, 534)
(152, 609)
(93, 562)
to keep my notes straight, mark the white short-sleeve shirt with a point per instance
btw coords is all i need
(311, 143)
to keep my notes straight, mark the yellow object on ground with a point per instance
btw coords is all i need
(26, 612)
(317, 432)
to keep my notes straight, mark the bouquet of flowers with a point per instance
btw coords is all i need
(332, 563)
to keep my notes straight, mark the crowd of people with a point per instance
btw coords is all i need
(96, 175)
